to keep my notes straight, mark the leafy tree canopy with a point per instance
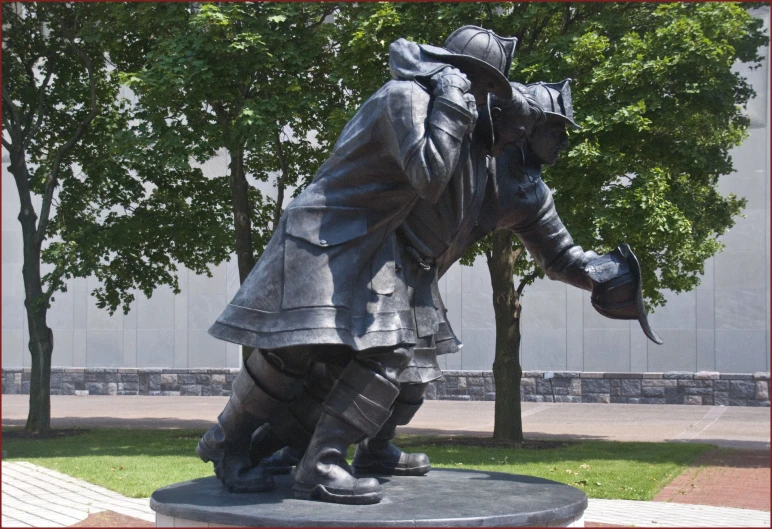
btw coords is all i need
(654, 91)
(273, 85)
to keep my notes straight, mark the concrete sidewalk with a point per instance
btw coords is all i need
(734, 427)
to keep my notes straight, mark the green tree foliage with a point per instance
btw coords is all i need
(660, 108)
(247, 79)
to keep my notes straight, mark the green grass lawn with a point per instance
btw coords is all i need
(136, 462)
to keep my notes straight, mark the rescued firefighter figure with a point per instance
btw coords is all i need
(343, 308)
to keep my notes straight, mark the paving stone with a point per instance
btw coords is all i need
(73, 377)
(742, 389)
(596, 397)
(567, 374)
(96, 388)
(735, 376)
(190, 390)
(631, 388)
(563, 386)
(761, 376)
(476, 381)
(674, 395)
(476, 392)
(543, 386)
(647, 400)
(590, 385)
(678, 374)
(711, 375)
(698, 391)
(567, 398)
(653, 391)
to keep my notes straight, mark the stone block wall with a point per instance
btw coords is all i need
(127, 381)
(675, 387)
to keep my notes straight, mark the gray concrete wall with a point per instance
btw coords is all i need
(723, 325)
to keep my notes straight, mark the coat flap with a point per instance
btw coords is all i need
(326, 226)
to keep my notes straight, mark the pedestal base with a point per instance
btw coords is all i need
(447, 498)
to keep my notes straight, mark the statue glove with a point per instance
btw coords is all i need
(449, 79)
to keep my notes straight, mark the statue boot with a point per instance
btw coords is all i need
(377, 455)
(355, 409)
(279, 446)
(259, 392)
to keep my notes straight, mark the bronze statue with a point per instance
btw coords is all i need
(516, 199)
(343, 306)
(329, 287)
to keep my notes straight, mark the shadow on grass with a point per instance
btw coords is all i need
(443, 450)
(102, 442)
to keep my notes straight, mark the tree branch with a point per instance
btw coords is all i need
(13, 108)
(281, 184)
(30, 132)
(53, 177)
(327, 12)
(526, 280)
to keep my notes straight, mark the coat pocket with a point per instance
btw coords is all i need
(326, 226)
(322, 255)
(383, 268)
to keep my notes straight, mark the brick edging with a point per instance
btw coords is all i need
(673, 387)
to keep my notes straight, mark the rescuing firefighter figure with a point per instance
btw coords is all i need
(343, 308)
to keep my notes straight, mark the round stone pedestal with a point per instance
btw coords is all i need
(446, 498)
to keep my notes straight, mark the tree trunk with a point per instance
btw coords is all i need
(280, 181)
(507, 372)
(41, 338)
(242, 221)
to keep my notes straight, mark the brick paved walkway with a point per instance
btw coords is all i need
(736, 478)
(34, 496)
